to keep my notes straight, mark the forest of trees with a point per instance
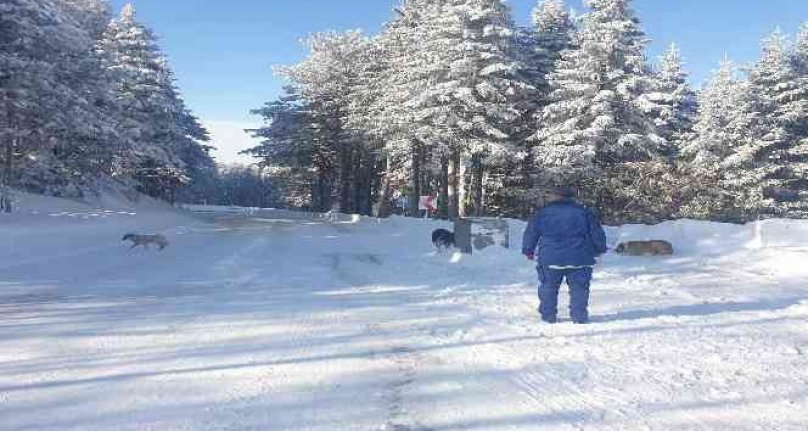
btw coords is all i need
(86, 99)
(452, 99)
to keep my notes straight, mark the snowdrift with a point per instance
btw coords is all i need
(691, 237)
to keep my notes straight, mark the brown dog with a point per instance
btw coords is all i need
(645, 248)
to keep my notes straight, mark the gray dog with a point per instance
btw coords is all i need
(145, 240)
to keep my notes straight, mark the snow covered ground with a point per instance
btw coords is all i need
(299, 323)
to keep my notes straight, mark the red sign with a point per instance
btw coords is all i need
(428, 203)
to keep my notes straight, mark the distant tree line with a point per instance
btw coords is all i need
(452, 99)
(244, 186)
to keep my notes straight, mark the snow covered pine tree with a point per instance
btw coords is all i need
(161, 135)
(598, 131)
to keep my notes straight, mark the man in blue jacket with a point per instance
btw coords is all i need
(569, 238)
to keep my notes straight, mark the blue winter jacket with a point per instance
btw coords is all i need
(566, 233)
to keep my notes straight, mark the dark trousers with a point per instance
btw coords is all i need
(578, 281)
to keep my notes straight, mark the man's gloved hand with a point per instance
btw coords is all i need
(530, 255)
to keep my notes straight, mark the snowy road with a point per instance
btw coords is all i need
(309, 325)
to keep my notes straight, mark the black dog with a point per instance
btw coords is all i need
(443, 239)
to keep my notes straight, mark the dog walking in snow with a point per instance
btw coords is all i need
(145, 240)
(443, 239)
(645, 248)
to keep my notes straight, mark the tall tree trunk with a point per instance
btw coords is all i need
(365, 166)
(364, 183)
(357, 181)
(454, 185)
(315, 192)
(345, 176)
(443, 200)
(172, 194)
(415, 180)
(8, 164)
(321, 195)
(366, 204)
(383, 207)
(527, 205)
(478, 171)
(328, 193)
(462, 186)
(8, 175)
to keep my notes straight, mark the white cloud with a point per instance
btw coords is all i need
(229, 138)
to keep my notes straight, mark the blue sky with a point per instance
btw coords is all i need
(222, 50)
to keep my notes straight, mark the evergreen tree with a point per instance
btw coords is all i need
(720, 129)
(85, 151)
(595, 120)
(53, 124)
(554, 29)
(460, 84)
(537, 50)
(372, 179)
(327, 81)
(92, 15)
(795, 114)
(403, 75)
(598, 122)
(289, 152)
(673, 102)
(157, 126)
(797, 105)
(761, 167)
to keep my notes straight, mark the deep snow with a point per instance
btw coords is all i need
(328, 323)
